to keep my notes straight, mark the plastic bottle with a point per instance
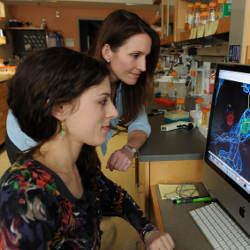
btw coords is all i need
(204, 17)
(2, 11)
(181, 92)
(198, 102)
(190, 16)
(197, 13)
(43, 24)
(205, 116)
(197, 113)
(174, 74)
(171, 91)
(206, 107)
(193, 81)
(212, 10)
(203, 14)
(180, 104)
(211, 81)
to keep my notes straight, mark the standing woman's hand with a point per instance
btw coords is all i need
(156, 240)
(121, 159)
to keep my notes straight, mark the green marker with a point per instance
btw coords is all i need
(193, 200)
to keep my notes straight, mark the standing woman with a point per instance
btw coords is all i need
(54, 195)
(131, 49)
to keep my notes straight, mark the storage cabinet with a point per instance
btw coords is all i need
(172, 172)
(141, 175)
(164, 20)
(174, 12)
(3, 111)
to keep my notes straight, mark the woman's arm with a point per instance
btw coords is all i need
(115, 201)
(137, 138)
(138, 132)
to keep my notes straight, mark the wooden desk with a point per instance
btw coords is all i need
(175, 219)
(169, 157)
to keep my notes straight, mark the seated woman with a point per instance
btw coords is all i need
(54, 195)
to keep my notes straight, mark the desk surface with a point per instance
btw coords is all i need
(179, 144)
(175, 220)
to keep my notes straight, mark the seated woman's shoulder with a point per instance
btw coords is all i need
(27, 174)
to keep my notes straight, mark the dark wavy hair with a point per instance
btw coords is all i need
(47, 78)
(119, 26)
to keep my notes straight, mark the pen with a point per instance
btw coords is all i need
(193, 200)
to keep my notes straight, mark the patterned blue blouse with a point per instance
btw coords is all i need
(37, 211)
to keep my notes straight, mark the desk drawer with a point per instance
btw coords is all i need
(172, 172)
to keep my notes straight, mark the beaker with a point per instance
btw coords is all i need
(181, 89)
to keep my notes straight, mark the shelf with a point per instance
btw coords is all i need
(25, 28)
(177, 18)
(223, 27)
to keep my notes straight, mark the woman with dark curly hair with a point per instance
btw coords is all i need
(54, 195)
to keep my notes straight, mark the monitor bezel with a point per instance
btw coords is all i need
(230, 67)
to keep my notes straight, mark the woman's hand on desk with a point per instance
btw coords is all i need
(120, 160)
(156, 240)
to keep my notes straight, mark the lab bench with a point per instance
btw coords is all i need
(169, 157)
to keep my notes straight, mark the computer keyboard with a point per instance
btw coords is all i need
(219, 229)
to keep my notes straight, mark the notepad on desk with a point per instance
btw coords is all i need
(172, 191)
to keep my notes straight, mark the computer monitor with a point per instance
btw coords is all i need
(226, 172)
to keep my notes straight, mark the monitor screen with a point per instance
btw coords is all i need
(226, 173)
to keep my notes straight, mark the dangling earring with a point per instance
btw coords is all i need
(63, 129)
(107, 61)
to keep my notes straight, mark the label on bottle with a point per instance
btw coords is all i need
(190, 19)
(197, 18)
(212, 16)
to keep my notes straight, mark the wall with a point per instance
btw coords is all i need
(67, 23)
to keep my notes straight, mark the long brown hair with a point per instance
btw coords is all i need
(119, 26)
(45, 79)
